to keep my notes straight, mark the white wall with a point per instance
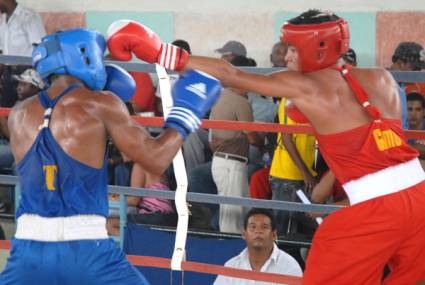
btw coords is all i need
(207, 25)
(224, 6)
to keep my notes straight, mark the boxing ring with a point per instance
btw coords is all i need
(179, 262)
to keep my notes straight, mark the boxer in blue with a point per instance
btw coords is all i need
(59, 139)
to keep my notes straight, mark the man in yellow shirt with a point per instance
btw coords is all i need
(292, 165)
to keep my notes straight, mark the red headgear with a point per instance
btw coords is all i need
(319, 45)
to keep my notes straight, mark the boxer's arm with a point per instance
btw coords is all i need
(323, 190)
(126, 37)
(289, 83)
(153, 154)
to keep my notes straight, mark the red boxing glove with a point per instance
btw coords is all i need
(126, 37)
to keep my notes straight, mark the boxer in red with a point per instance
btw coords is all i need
(356, 116)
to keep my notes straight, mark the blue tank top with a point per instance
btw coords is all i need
(53, 184)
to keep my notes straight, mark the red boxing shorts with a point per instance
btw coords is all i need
(353, 245)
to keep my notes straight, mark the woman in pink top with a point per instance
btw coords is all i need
(149, 210)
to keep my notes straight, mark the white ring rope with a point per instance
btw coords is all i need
(181, 177)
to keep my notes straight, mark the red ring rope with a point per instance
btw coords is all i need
(246, 126)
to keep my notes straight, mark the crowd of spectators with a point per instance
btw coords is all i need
(228, 163)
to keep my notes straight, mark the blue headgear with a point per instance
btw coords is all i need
(77, 52)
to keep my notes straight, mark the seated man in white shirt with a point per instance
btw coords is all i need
(261, 253)
(20, 27)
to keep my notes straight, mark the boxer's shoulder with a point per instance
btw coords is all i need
(375, 73)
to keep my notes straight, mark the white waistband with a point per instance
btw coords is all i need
(81, 227)
(386, 181)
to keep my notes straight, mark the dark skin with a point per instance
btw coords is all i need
(277, 57)
(81, 122)
(26, 90)
(259, 237)
(335, 107)
(415, 115)
(7, 7)
(403, 66)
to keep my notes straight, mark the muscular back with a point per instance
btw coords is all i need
(75, 123)
(80, 123)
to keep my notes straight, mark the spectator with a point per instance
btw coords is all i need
(328, 190)
(409, 56)
(151, 210)
(197, 155)
(277, 57)
(292, 167)
(183, 44)
(174, 76)
(146, 210)
(416, 111)
(196, 149)
(259, 186)
(29, 84)
(231, 49)
(200, 180)
(119, 165)
(20, 27)
(261, 253)
(229, 163)
(415, 115)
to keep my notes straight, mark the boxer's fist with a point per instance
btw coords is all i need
(193, 96)
(126, 37)
(120, 82)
